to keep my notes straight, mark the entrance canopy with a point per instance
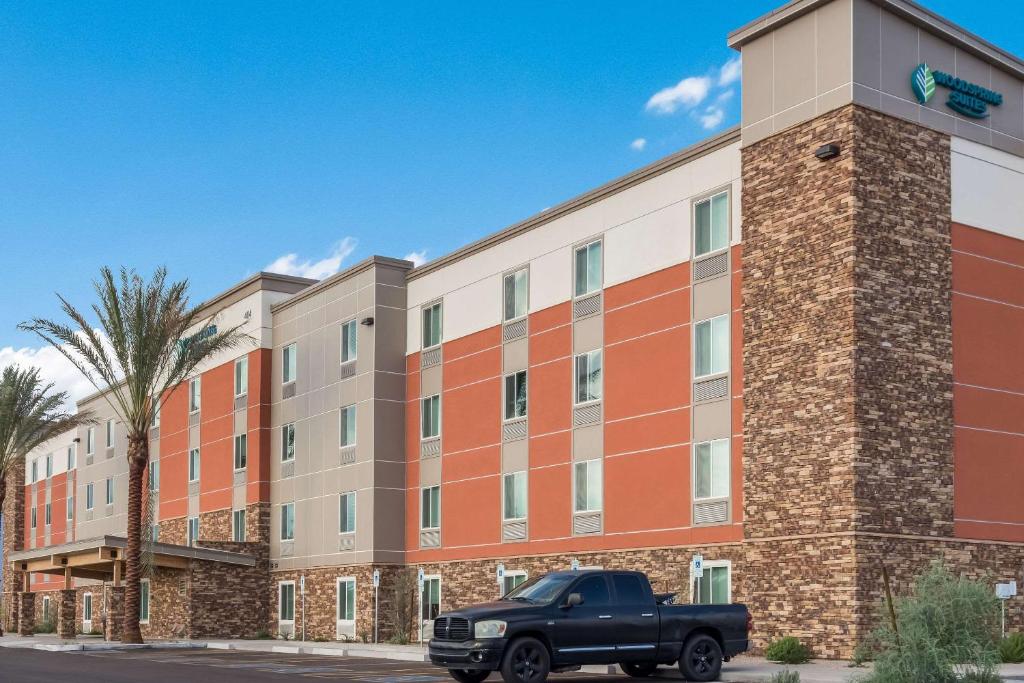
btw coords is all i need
(103, 558)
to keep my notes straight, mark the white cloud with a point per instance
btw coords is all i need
(289, 264)
(418, 258)
(638, 144)
(730, 72)
(712, 117)
(725, 96)
(688, 93)
(53, 367)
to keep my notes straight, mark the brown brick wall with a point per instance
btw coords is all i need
(169, 616)
(174, 531)
(215, 526)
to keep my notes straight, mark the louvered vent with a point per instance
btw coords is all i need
(193, 488)
(110, 453)
(88, 460)
(513, 431)
(587, 523)
(287, 548)
(711, 266)
(430, 449)
(514, 330)
(288, 469)
(582, 308)
(712, 388)
(430, 357)
(240, 402)
(348, 455)
(288, 390)
(585, 415)
(346, 541)
(193, 419)
(348, 369)
(154, 433)
(239, 477)
(513, 531)
(430, 538)
(714, 512)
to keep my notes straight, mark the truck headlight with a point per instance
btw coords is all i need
(491, 628)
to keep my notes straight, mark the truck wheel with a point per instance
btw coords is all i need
(468, 676)
(526, 661)
(701, 659)
(638, 669)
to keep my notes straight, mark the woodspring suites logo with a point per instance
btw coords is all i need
(969, 99)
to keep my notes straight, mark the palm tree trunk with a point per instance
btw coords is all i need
(3, 498)
(138, 455)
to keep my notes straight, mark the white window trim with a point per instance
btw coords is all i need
(90, 441)
(341, 344)
(245, 390)
(504, 395)
(440, 598)
(423, 309)
(188, 529)
(284, 366)
(70, 507)
(440, 422)
(195, 382)
(341, 433)
(431, 528)
(279, 602)
(111, 433)
(576, 379)
(48, 514)
(526, 479)
(709, 197)
(693, 359)
(588, 461)
(110, 491)
(87, 621)
(149, 611)
(90, 496)
(234, 525)
(693, 469)
(355, 515)
(337, 600)
(153, 474)
(576, 248)
(513, 272)
(281, 518)
(234, 452)
(284, 450)
(515, 572)
(709, 564)
(199, 464)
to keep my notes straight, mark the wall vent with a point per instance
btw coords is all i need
(586, 306)
(586, 523)
(288, 469)
(241, 402)
(711, 389)
(348, 455)
(347, 542)
(516, 329)
(711, 266)
(586, 415)
(288, 390)
(430, 357)
(514, 431)
(431, 448)
(193, 419)
(513, 531)
(714, 512)
(348, 369)
(430, 538)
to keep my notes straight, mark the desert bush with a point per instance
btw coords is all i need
(788, 650)
(785, 677)
(1011, 648)
(47, 625)
(947, 632)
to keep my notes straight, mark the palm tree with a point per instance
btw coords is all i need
(31, 413)
(135, 357)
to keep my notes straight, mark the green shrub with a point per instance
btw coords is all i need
(1011, 649)
(788, 650)
(45, 626)
(785, 677)
(947, 633)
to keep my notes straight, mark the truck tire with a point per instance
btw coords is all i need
(526, 661)
(638, 669)
(701, 659)
(468, 676)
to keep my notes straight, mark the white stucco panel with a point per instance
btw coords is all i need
(987, 188)
(472, 308)
(647, 244)
(551, 279)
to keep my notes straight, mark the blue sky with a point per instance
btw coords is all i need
(218, 138)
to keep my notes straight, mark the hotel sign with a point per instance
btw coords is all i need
(969, 99)
(204, 333)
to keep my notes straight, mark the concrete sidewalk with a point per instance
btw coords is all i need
(742, 669)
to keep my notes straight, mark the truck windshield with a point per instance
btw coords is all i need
(541, 589)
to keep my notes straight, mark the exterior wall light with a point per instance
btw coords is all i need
(366, 321)
(827, 151)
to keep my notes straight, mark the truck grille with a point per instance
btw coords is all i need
(451, 628)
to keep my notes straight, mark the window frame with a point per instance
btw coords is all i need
(280, 602)
(526, 495)
(587, 464)
(49, 465)
(244, 451)
(90, 441)
(48, 514)
(708, 565)
(427, 579)
(711, 485)
(90, 496)
(33, 518)
(235, 536)
(70, 504)
(35, 470)
(344, 338)
(194, 466)
(426, 308)
(195, 395)
(514, 376)
(513, 573)
(190, 537)
(576, 377)
(72, 457)
(285, 428)
(145, 595)
(242, 387)
(289, 363)
(525, 270)
(709, 199)
(343, 422)
(575, 269)
(110, 490)
(342, 497)
(337, 600)
(111, 437)
(710, 322)
(87, 609)
(424, 491)
(153, 474)
(286, 522)
(423, 401)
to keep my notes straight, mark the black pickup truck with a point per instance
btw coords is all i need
(563, 620)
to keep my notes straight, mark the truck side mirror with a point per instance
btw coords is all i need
(574, 600)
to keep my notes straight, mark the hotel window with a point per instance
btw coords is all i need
(432, 325)
(713, 588)
(430, 422)
(347, 599)
(195, 394)
(588, 377)
(431, 597)
(348, 426)
(289, 363)
(349, 341)
(238, 526)
(35, 471)
(47, 515)
(588, 268)
(588, 486)
(87, 607)
(154, 475)
(288, 522)
(516, 294)
(711, 224)
(286, 601)
(110, 490)
(241, 450)
(241, 376)
(514, 494)
(88, 497)
(144, 601)
(110, 433)
(288, 442)
(33, 516)
(711, 469)
(155, 532)
(193, 530)
(71, 507)
(90, 441)
(46, 608)
(515, 395)
(71, 458)
(193, 465)
(430, 515)
(513, 580)
(347, 512)
(711, 346)
(49, 466)
(155, 422)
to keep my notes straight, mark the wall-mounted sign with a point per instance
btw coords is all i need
(969, 99)
(204, 333)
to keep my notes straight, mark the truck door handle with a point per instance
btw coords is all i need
(647, 614)
(604, 616)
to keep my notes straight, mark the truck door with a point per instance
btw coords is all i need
(587, 633)
(636, 617)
